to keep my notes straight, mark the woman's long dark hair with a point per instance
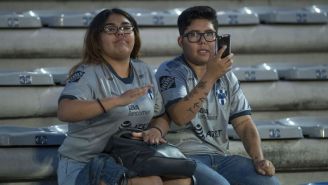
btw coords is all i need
(92, 51)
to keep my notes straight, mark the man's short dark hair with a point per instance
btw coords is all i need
(196, 12)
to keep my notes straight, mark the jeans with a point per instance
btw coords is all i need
(214, 169)
(103, 167)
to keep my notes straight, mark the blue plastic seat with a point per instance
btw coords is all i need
(146, 17)
(272, 130)
(243, 16)
(25, 78)
(256, 73)
(282, 15)
(59, 74)
(313, 127)
(316, 183)
(65, 18)
(28, 19)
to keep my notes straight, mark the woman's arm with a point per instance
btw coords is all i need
(78, 110)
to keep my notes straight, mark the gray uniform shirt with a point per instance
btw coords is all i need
(87, 138)
(207, 132)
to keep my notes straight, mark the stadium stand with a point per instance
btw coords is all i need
(281, 58)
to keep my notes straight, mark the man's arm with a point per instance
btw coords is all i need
(246, 130)
(183, 111)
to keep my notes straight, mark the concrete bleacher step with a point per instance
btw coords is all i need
(263, 96)
(18, 102)
(286, 95)
(240, 60)
(32, 122)
(67, 43)
(293, 155)
(272, 130)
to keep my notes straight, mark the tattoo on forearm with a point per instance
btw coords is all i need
(202, 99)
(190, 110)
(196, 105)
(201, 85)
(190, 95)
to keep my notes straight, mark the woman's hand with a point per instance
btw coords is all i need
(151, 136)
(132, 95)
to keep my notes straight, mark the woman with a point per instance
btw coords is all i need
(107, 91)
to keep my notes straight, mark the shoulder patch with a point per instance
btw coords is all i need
(166, 82)
(76, 76)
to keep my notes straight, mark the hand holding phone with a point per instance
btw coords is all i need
(224, 40)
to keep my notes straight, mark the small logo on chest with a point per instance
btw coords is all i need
(222, 96)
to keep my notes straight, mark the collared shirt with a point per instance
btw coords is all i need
(87, 138)
(207, 132)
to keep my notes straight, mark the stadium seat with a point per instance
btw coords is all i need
(319, 9)
(28, 19)
(314, 72)
(66, 18)
(23, 78)
(272, 130)
(154, 18)
(261, 72)
(300, 72)
(243, 16)
(280, 15)
(316, 183)
(29, 153)
(313, 127)
(59, 74)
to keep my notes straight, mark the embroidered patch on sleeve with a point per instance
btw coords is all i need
(166, 82)
(76, 76)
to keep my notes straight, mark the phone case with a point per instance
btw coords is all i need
(224, 40)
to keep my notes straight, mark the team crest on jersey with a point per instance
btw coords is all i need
(222, 96)
(76, 76)
(166, 82)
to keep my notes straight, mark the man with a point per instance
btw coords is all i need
(202, 96)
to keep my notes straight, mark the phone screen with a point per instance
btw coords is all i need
(224, 40)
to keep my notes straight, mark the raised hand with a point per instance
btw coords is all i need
(132, 95)
(217, 66)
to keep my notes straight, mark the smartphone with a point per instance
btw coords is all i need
(224, 40)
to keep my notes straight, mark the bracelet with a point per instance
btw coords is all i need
(158, 130)
(101, 105)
